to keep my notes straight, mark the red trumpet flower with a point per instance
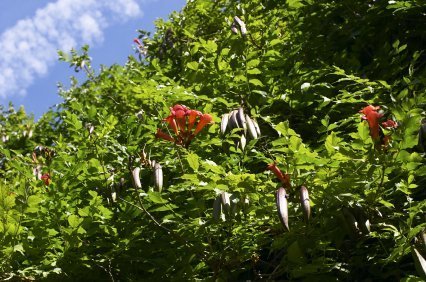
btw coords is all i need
(389, 124)
(46, 179)
(284, 178)
(165, 136)
(372, 117)
(192, 117)
(172, 123)
(182, 120)
(204, 120)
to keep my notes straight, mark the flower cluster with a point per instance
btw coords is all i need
(284, 178)
(46, 179)
(142, 49)
(372, 116)
(182, 121)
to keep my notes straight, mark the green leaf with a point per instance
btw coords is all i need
(9, 202)
(332, 143)
(256, 82)
(74, 221)
(34, 200)
(284, 129)
(192, 65)
(253, 63)
(254, 71)
(193, 161)
(210, 46)
(156, 198)
(295, 254)
(364, 131)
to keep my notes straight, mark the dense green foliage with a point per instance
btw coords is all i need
(304, 71)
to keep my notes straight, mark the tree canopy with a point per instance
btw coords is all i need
(245, 140)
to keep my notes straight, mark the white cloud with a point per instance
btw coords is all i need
(30, 47)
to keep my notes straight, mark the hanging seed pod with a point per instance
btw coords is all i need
(90, 128)
(234, 28)
(241, 118)
(235, 207)
(256, 125)
(419, 262)
(224, 123)
(120, 186)
(233, 122)
(242, 25)
(362, 220)
(37, 171)
(304, 201)
(158, 177)
(136, 179)
(243, 142)
(226, 202)
(366, 226)
(113, 194)
(282, 207)
(246, 205)
(251, 128)
(217, 208)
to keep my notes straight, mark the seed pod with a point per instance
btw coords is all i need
(113, 194)
(282, 207)
(256, 125)
(121, 185)
(224, 123)
(251, 128)
(217, 208)
(136, 180)
(362, 220)
(234, 28)
(226, 202)
(243, 142)
(233, 122)
(37, 171)
(241, 118)
(242, 25)
(235, 207)
(158, 177)
(246, 205)
(304, 201)
(419, 262)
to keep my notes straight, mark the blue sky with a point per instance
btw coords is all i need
(31, 32)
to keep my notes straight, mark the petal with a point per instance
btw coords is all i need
(205, 119)
(161, 134)
(172, 123)
(192, 116)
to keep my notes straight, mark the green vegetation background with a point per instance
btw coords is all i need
(303, 71)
